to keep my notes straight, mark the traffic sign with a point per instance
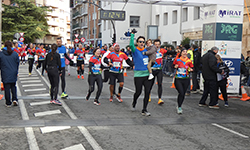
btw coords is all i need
(83, 39)
(21, 34)
(76, 40)
(76, 35)
(21, 39)
(17, 36)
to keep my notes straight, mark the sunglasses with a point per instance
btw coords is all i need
(141, 41)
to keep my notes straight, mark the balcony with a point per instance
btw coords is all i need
(76, 14)
(76, 26)
(52, 3)
(84, 25)
(52, 23)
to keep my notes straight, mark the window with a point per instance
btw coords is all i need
(134, 21)
(174, 43)
(89, 17)
(174, 18)
(165, 19)
(196, 13)
(157, 19)
(184, 14)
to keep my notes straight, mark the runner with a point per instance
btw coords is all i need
(95, 75)
(106, 66)
(16, 48)
(52, 65)
(31, 53)
(141, 73)
(183, 64)
(22, 54)
(62, 52)
(157, 69)
(41, 53)
(116, 71)
(80, 52)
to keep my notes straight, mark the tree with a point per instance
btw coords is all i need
(185, 41)
(25, 17)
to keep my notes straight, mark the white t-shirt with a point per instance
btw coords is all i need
(105, 55)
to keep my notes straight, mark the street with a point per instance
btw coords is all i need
(79, 124)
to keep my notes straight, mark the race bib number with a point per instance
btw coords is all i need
(61, 55)
(182, 70)
(145, 61)
(116, 64)
(81, 55)
(97, 67)
(158, 55)
(31, 56)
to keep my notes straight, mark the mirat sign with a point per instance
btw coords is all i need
(230, 13)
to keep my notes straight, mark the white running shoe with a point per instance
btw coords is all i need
(150, 77)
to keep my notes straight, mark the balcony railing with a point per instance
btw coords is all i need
(75, 26)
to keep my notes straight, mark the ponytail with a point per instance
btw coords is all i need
(53, 51)
(8, 45)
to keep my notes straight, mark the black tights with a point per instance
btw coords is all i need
(91, 80)
(139, 82)
(181, 86)
(31, 62)
(159, 75)
(54, 81)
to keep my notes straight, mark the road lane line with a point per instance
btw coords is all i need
(229, 130)
(75, 147)
(31, 81)
(31, 78)
(53, 129)
(33, 90)
(82, 129)
(39, 103)
(28, 130)
(37, 95)
(45, 113)
(31, 85)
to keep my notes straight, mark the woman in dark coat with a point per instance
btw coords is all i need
(9, 63)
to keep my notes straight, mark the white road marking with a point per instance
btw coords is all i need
(83, 130)
(31, 81)
(53, 128)
(45, 113)
(229, 130)
(26, 75)
(75, 147)
(31, 85)
(37, 95)
(129, 89)
(32, 90)
(39, 103)
(31, 78)
(28, 130)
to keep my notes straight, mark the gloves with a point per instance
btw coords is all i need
(71, 63)
(134, 31)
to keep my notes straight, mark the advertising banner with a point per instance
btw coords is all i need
(228, 31)
(229, 49)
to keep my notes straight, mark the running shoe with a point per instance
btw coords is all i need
(119, 99)
(202, 105)
(15, 103)
(111, 99)
(42, 74)
(8, 106)
(64, 95)
(160, 102)
(146, 113)
(82, 77)
(133, 108)
(87, 97)
(96, 102)
(226, 104)
(57, 102)
(29, 74)
(78, 77)
(179, 110)
(214, 107)
(151, 76)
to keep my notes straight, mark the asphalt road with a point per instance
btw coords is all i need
(79, 124)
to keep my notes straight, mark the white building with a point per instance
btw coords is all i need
(171, 29)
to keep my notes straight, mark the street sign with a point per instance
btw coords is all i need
(76, 40)
(21, 34)
(21, 39)
(83, 39)
(112, 15)
(17, 36)
(76, 35)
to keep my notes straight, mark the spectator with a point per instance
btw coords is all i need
(196, 62)
(9, 63)
(209, 70)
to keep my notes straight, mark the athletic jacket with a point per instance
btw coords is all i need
(80, 54)
(31, 53)
(183, 67)
(95, 65)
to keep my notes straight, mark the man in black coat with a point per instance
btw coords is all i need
(209, 70)
(196, 69)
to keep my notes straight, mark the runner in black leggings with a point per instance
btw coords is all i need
(31, 53)
(183, 65)
(52, 65)
(95, 75)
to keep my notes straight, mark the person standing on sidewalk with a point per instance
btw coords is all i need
(52, 65)
(182, 65)
(9, 64)
(196, 62)
(209, 70)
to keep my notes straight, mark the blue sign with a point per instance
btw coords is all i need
(233, 65)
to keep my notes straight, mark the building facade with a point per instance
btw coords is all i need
(85, 22)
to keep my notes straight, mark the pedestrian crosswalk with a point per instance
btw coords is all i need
(37, 86)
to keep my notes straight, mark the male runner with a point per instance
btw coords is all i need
(80, 52)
